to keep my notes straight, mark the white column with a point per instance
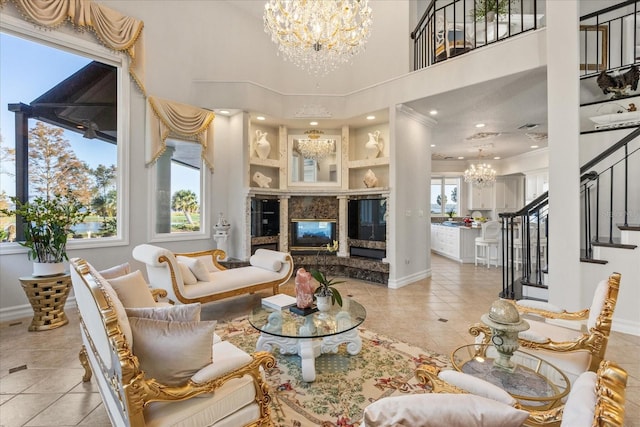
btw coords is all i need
(563, 99)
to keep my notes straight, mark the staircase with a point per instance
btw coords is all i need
(610, 181)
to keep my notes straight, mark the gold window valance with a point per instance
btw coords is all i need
(113, 29)
(168, 119)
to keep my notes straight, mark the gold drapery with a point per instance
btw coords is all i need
(168, 119)
(113, 29)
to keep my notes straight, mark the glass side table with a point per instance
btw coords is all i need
(534, 383)
(311, 335)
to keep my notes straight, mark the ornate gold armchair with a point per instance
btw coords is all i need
(226, 389)
(605, 389)
(571, 350)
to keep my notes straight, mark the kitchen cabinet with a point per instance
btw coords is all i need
(480, 198)
(457, 243)
(509, 193)
(536, 184)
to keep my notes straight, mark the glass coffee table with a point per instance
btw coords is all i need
(311, 335)
(535, 383)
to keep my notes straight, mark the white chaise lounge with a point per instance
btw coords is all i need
(199, 277)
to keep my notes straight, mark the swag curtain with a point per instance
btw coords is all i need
(168, 119)
(114, 30)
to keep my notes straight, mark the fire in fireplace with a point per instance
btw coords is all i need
(312, 234)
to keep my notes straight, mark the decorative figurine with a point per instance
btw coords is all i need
(373, 146)
(262, 146)
(262, 180)
(370, 180)
(304, 289)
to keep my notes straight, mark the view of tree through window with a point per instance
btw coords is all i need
(67, 104)
(444, 196)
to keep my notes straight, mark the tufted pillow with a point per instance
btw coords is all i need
(580, 407)
(266, 262)
(176, 313)
(172, 352)
(115, 271)
(187, 276)
(197, 267)
(133, 290)
(438, 410)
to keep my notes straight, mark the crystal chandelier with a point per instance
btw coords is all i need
(318, 35)
(314, 147)
(481, 174)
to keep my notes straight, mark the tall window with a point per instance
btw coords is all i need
(59, 116)
(445, 192)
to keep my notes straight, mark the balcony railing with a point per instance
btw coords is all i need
(463, 25)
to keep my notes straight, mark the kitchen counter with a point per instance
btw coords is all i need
(455, 241)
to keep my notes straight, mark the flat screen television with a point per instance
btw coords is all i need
(312, 234)
(367, 219)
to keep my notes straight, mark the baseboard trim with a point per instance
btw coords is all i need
(626, 327)
(23, 311)
(407, 280)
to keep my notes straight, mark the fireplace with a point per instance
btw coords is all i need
(312, 234)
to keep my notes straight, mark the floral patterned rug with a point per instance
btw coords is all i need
(344, 384)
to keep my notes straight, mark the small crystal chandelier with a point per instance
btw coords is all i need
(481, 174)
(318, 35)
(314, 147)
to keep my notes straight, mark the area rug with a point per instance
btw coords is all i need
(344, 384)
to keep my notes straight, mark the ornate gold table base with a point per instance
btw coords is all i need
(47, 296)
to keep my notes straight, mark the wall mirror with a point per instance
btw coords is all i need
(314, 159)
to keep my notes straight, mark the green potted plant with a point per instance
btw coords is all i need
(325, 289)
(451, 214)
(489, 9)
(47, 225)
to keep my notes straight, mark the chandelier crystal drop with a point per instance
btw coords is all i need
(314, 147)
(481, 175)
(315, 35)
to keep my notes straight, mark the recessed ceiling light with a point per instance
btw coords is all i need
(496, 158)
(433, 112)
(371, 117)
(480, 125)
(313, 123)
(534, 146)
(260, 118)
(223, 112)
(460, 157)
(433, 145)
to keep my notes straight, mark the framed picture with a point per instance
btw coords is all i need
(593, 47)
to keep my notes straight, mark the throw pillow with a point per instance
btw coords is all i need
(197, 267)
(115, 271)
(207, 260)
(437, 410)
(187, 276)
(133, 290)
(266, 262)
(581, 404)
(476, 386)
(172, 352)
(176, 313)
(121, 313)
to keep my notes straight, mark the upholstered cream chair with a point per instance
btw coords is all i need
(160, 366)
(571, 350)
(457, 399)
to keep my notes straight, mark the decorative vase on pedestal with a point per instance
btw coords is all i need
(372, 146)
(262, 147)
(505, 323)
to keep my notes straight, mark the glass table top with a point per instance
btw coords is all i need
(315, 325)
(534, 382)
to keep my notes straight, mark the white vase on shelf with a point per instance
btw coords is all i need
(373, 145)
(262, 146)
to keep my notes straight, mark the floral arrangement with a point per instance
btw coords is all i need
(325, 286)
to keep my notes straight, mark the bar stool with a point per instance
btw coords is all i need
(486, 242)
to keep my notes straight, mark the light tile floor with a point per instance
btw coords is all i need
(40, 375)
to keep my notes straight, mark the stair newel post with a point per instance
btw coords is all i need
(611, 206)
(597, 206)
(626, 184)
(587, 220)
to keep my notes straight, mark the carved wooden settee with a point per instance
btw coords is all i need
(199, 277)
(227, 390)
